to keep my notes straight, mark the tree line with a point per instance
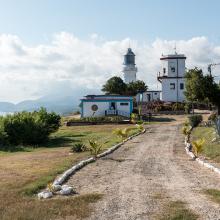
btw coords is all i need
(202, 88)
(116, 86)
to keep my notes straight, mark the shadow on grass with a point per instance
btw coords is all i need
(52, 142)
(162, 119)
(59, 142)
(12, 149)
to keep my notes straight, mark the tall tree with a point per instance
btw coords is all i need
(200, 87)
(114, 85)
(133, 88)
(194, 80)
(211, 91)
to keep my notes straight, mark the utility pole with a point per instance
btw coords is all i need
(210, 67)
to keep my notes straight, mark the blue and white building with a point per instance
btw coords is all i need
(104, 105)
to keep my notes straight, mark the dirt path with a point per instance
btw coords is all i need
(144, 174)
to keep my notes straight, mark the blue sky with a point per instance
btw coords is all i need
(36, 20)
(48, 46)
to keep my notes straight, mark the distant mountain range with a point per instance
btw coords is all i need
(60, 105)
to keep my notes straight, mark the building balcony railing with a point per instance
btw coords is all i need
(117, 112)
(161, 76)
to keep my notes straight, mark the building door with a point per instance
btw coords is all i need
(112, 105)
(148, 97)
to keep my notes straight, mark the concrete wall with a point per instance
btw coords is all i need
(154, 95)
(102, 107)
(177, 64)
(130, 73)
(88, 112)
(172, 95)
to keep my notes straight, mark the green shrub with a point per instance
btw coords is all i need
(195, 120)
(198, 146)
(94, 147)
(178, 107)
(134, 118)
(186, 130)
(79, 147)
(28, 128)
(187, 108)
(213, 116)
(140, 127)
(122, 133)
(3, 135)
(102, 119)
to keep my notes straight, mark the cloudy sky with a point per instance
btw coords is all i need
(60, 47)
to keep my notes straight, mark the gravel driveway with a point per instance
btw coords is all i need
(144, 174)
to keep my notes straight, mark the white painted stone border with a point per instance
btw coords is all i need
(60, 180)
(200, 161)
(63, 177)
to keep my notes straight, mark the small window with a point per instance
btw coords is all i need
(155, 93)
(181, 86)
(164, 70)
(173, 69)
(123, 103)
(172, 86)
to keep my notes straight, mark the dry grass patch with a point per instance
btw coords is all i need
(214, 194)
(211, 149)
(177, 210)
(26, 172)
(78, 207)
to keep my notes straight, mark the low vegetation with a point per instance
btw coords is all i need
(211, 148)
(214, 194)
(140, 126)
(94, 147)
(186, 130)
(203, 138)
(79, 207)
(195, 120)
(25, 172)
(78, 147)
(122, 133)
(198, 146)
(27, 128)
(213, 116)
(101, 119)
(160, 106)
(177, 210)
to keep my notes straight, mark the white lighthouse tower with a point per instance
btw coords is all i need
(129, 70)
(172, 77)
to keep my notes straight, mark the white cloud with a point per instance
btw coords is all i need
(69, 62)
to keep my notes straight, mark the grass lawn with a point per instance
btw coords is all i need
(211, 149)
(25, 172)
